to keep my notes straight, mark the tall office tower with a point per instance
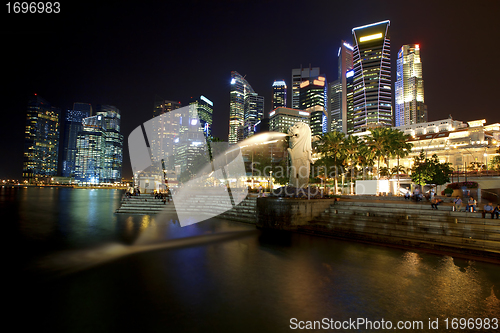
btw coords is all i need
(163, 105)
(254, 112)
(41, 141)
(349, 101)
(279, 94)
(409, 86)
(240, 91)
(334, 106)
(90, 155)
(299, 75)
(205, 109)
(113, 152)
(345, 65)
(372, 76)
(313, 93)
(73, 126)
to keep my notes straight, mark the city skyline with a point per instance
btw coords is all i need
(121, 66)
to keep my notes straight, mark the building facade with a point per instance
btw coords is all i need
(313, 100)
(205, 110)
(41, 141)
(372, 90)
(409, 87)
(246, 108)
(279, 94)
(464, 145)
(99, 154)
(299, 75)
(281, 119)
(72, 127)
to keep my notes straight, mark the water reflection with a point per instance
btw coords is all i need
(231, 276)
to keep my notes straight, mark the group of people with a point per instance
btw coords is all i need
(163, 196)
(471, 207)
(133, 192)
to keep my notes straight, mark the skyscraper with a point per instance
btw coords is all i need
(41, 140)
(245, 108)
(99, 146)
(345, 66)
(279, 94)
(163, 105)
(313, 100)
(299, 75)
(254, 112)
(72, 127)
(90, 156)
(372, 76)
(205, 109)
(409, 86)
(113, 153)
(335, 105)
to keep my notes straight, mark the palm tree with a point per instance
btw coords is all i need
(379, 143)
(400, 147)
(352, 147)
(331, 146)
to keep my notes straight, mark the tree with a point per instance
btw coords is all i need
(352, 147)
(331, 148)
(430, 171)
(379, 143)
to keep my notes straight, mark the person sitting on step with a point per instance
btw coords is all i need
(471, 205)
(488, 209)
(435, 203)
(496, 212)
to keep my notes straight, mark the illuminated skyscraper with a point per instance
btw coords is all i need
(372, 77)
(281, 119)
(41, 141)
(313, 100)
(163, 105)
(113, 153)
(254, 112)
(99, 154)
(279, 94)
(298, 76)
(72, 127)
(245, 108)
(409, 86)
(205, 109)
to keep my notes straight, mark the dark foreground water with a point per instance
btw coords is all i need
(72, 265)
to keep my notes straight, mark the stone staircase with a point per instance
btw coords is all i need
(145, 204)
(409, 224)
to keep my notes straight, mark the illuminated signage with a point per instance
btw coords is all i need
(318, 83)
(194, 122)
(203, 98)
(233, 81)
(304, 84)
(272, 113)
(370, 37)
(349, 74)
(321, 78)
(303, 113)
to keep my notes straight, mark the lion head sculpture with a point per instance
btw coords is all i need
(300, 154)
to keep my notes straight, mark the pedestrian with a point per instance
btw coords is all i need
(471, 205)
(488, 209)
(458, 203)
(260, 191)
(435, 203)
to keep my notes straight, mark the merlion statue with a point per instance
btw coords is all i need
(300, 154)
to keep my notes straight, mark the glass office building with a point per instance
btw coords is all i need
(372, 90)
(41, 141)
(409, 100)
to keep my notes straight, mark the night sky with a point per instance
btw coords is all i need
(125, 53)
